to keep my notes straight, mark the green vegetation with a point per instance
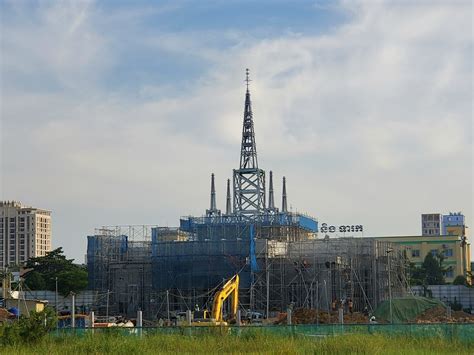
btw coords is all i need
(250, 342)
(45, 269)
(28, 330)
(431, 271)
(461, 280)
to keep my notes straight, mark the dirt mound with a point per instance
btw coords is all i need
(312, 316)
(439, 315)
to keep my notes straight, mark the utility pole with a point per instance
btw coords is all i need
(56, 300)
(168, 305)
(107, 307)
(267, 280)
(389, 250)
(56, 295)
(73, 310)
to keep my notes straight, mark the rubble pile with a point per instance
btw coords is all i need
(4, 315)
(439, 315)
(312, 316)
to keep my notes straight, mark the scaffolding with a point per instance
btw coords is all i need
(162, 277)
(119, 267)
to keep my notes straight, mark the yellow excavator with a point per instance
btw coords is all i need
(229, 289)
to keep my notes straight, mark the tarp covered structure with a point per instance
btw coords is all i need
(405, 309)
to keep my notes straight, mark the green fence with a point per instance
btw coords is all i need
(452, 331)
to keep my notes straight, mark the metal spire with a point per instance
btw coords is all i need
(247, 78)
(213, 211)
(248, 151)
(284, 207)
(213, 194)
(228, 206)
(271, 198)
(249, 180)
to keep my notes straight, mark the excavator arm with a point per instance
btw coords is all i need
(230, 288)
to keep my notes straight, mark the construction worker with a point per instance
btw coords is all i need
(334, 304)
(350, 305)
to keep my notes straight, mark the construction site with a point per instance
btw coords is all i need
(282, 259)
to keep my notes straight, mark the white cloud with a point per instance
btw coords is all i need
(367, 121)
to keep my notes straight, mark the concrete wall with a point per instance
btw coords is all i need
(449, 293)
(86, 298)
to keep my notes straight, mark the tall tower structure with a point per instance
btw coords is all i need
(249, 180)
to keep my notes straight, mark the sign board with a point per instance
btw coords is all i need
(325, 228)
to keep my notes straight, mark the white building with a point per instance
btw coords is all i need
(25, 232)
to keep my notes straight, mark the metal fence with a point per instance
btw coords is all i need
(463, 332)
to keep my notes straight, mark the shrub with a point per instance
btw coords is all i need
(28, 329)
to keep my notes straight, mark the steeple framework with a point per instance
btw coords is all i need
(249, 180)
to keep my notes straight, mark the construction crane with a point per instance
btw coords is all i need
(229, 289)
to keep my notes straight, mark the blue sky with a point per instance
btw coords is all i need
(116, 112)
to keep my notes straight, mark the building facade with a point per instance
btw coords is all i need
(25, 232)
(453, 224)
(454, 248)
(431, 224)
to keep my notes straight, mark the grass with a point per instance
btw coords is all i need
(252, 342)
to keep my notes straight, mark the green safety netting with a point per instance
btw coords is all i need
(405, 309)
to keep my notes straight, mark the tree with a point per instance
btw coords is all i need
(45, 270)
(72, 281)
(460, 280)
(433, 266)
(35, 281)
(431, 271)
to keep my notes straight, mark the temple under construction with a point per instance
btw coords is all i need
(278, 254)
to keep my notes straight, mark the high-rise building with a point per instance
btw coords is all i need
(25, 232)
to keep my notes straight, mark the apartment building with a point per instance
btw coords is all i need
(25, 232)
(431, 224)
(454, 248)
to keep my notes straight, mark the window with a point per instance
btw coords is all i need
(449, 273)
(448, 252)
(415, 253)
(434, 252)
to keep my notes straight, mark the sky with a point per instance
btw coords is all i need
(117, 112)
